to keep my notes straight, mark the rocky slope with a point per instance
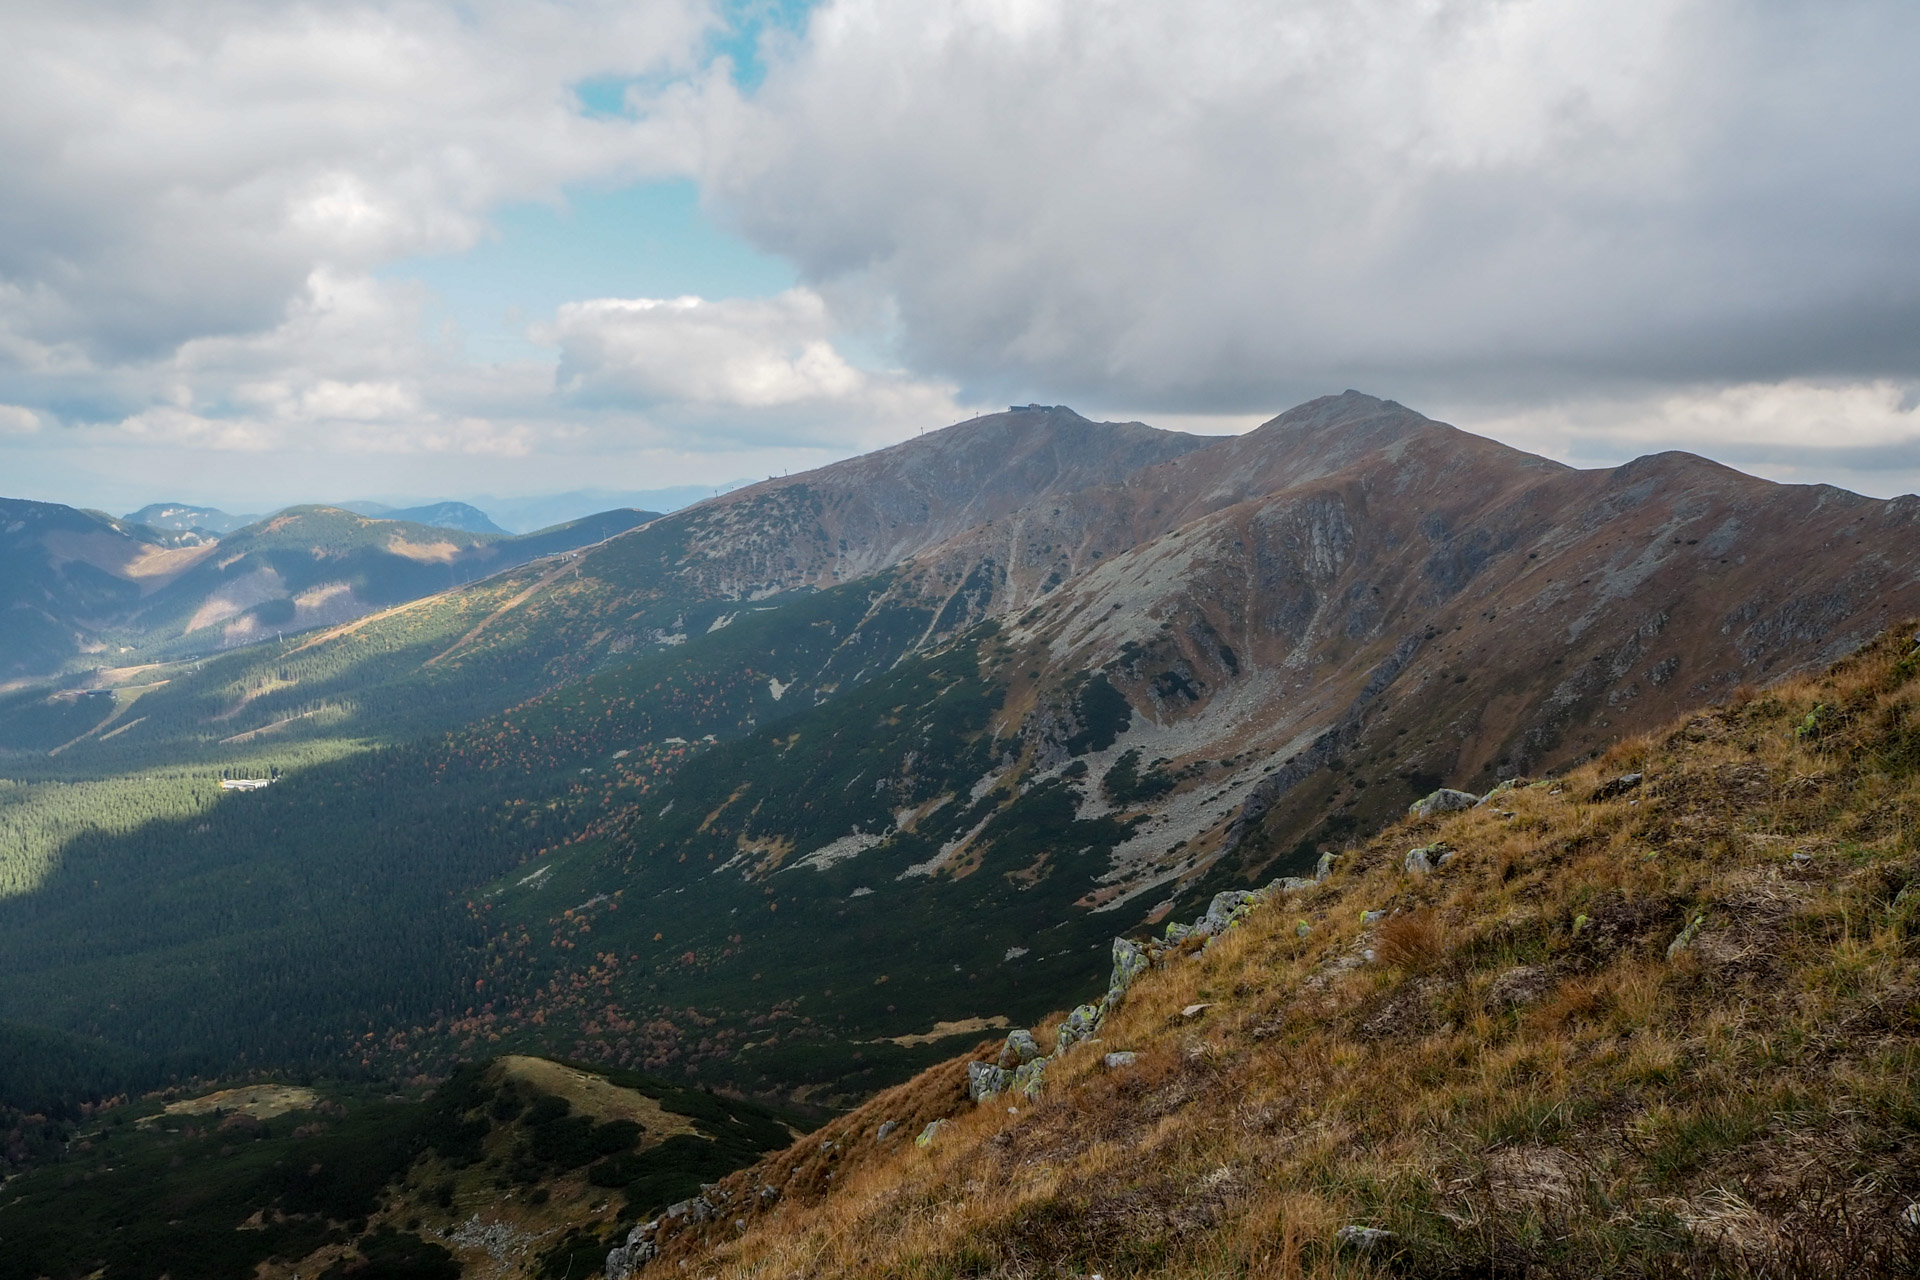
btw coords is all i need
(1654, 1017)
(1406, 604)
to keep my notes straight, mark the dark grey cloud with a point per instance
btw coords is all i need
(1233, 203)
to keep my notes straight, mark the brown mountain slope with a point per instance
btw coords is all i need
(1415, 605)
(1656, 1018)
(869, 513)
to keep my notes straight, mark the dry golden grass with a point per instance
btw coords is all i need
(1523, 1083)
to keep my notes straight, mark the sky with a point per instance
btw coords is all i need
(253, 253)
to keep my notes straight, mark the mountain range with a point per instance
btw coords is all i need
(963, 708)
(78, 587)
(798, 790)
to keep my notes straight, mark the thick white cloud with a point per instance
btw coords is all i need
(751, 353)
(347, 370)
(1230, 204)
(738, 371)
(1863, 436)
(171, 170)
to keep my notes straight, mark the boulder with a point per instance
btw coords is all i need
(927, 1134)
(1372, 917)
(1445, 800)
(1684, 939)
(1021, 1048)
(1324, 868)
(885, 1130)
(638, 1250)
(1500, 790)
(1302, 929)
(1030, 1079)
(1080, 1025)
(1363, 1239)
(1616, 787)
(696, 1210)
(1228, 908)
(1177, 931)
(1129, 962)
(1416, 862)
(985, 1080)
(1122, 1058)
(1289, 884)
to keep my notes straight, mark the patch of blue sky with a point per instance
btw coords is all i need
(744, 24)
(649, 240)
(742, 35)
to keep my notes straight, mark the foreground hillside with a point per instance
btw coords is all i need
(1660, 1015)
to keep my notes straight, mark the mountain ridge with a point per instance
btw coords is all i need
(1241, 664)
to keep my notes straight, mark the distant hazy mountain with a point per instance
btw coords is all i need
(524, 515)
(179, 517)
(76, 583)
(440, 515)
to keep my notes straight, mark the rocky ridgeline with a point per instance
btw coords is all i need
(1020, 1068)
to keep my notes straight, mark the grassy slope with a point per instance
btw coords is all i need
(701, 901)
(1522, 1081)
(355, 920)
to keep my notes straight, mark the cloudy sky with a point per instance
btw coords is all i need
(254, 253)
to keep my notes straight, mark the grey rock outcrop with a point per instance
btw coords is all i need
(1617, 786)
(1030, 1079)
(1324, 868)
(1080, 1025)
(1227, 909)
(696, 1210)
(1684, 939)
(1499, 791)
(1363, 1239)
(1417, 863)
(638, 1250)
(1129, 962)
(985, 1080)
(1020, 1049)
(1120, 1059)
(1445, 800)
